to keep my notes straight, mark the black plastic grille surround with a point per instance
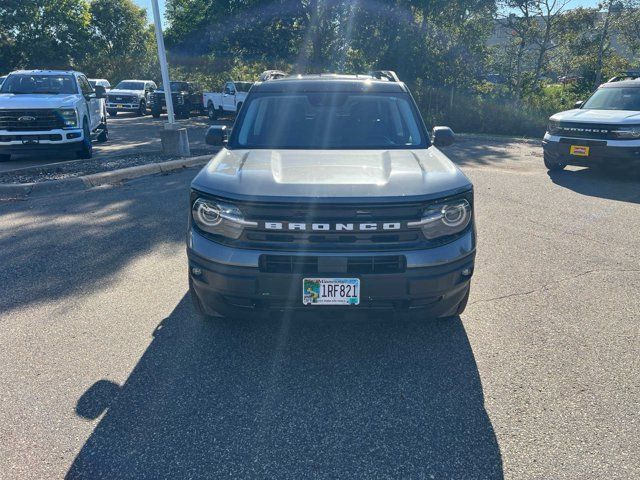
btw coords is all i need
(351, 265)
(333, 241)
(18, 120)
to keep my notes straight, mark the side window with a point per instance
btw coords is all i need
(229, 88)
(85, 87)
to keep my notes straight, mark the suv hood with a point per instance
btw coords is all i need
(113, 91)
(34, 101)
(598, 116)
(330, 174)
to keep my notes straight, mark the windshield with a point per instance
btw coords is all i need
(39, 84)
(243, 86)
(126, 85)
(177, 86)
(615, 99)
(328, 121)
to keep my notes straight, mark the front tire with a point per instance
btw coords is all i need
(103, 136)
(212, 112)
(112, 113)
(142, 109)
(86, 150)
(553, 165)
(155, 113)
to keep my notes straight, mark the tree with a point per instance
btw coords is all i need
(43, 33)
(122, 41)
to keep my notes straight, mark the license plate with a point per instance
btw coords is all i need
(31, 141)
(331, 291)
(579, 151)
(119, 106)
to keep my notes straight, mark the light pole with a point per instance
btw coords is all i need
(162, 57)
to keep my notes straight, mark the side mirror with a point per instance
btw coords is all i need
(578, 104)
(101, 92)
(217, 135)
(443, 136)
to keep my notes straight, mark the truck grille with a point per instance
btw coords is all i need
(332, 240)
(30, 120)
(122, 99)
(351, 265)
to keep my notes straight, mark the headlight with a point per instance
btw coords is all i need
(219, 218)
(627, 133)
(444, 219)
(553, 127)
(69, 117)
(180, 99)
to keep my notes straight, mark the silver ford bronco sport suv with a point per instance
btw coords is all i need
(329, 194)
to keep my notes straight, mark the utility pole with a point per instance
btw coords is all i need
(611, 8)
(162, 57)
(174, 139)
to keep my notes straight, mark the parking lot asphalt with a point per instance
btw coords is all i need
(107, 372)
(128, 135)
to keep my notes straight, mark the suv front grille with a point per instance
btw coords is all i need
(30, 120)
(585, 130)
(350, 265)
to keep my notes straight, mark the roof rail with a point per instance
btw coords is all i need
(625, 75)
(389, 75)
(272, 75)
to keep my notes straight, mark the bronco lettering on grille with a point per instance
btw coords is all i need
(333, 227)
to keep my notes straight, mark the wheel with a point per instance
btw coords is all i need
(86, 150)
(112, 113)
(142, 109)
(103, 136)
(212, 112)
(155, 113)
(553, 165)
(463, 303)
(5, 157)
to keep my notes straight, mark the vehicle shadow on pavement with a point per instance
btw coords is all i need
(623, 186)
(294, 397)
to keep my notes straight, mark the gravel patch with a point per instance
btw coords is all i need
(79, 168)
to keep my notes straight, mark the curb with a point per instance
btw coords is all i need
(20, 191)
(501, 138)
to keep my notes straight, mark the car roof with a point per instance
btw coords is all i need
(622, 83)
(329, 83)
(47, 72)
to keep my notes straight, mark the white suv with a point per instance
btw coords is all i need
(50, 110)
(130, 96)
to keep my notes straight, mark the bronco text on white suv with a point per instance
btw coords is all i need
(50, 110)
(329, 194)
(604, 130)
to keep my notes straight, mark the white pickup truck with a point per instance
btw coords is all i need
(228, 102)
(50, 110)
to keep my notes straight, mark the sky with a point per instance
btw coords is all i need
(147, 4)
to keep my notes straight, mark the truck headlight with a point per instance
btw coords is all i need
(444, 219)
(553, 127)
(69, 117)
(219, 218)
(630, 132)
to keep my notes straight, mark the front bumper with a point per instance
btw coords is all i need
(601, 152)
(231, 279)
(37, 141)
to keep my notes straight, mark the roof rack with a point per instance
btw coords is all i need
(272, 75)
(388, 75)
(626, 75)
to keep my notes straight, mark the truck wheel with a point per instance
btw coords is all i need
(212, 112)
(86, 150)
(155, 114)
(5, 157)
(103, 136)
(553, 165)
(112, 113)
(142, 109)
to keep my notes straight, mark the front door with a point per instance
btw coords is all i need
(229, 97)
(94, 105)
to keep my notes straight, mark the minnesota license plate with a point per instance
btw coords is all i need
(579, 151)
(331, 291)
